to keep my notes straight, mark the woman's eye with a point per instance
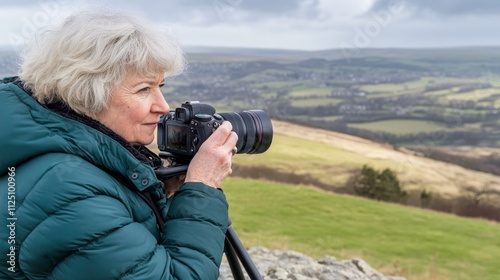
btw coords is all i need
(144, 90)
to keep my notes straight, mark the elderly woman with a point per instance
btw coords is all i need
(83, 200)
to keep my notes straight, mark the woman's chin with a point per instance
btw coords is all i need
(144, 141)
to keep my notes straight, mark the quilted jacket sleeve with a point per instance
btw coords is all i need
(194, 238)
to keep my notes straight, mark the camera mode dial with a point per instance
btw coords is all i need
(202, 117)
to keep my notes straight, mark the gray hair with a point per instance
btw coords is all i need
(84, 59)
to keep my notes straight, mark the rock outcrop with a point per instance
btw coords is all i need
(278, 264)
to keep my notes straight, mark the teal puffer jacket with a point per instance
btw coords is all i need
(64, 216)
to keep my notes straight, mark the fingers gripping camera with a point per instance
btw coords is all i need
(182, 131)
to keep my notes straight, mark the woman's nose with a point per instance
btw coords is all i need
(160, 105)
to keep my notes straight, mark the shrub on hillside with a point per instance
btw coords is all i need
(377, 185)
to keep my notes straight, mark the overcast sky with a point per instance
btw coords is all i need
(284, 24)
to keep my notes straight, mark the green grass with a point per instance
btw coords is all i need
(495, 104)
(417, 86)
(451, 80)
(473, 95)
(414, 243)
(439, 93)
(314, 102)
(278, 85)
(400, 127)
(393, 93)
(311, 92)
(328, 119)
(306, 118)
(399, 87)
(493, 80)
(383, 88)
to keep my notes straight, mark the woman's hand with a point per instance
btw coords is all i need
(212, 162)
(173, 184)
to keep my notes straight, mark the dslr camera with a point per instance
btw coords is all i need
(182, 131)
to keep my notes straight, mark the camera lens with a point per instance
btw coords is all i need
(254, 130)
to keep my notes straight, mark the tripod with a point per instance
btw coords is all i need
(236, 254)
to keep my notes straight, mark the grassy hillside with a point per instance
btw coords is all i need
(333, 157)
(414, 243)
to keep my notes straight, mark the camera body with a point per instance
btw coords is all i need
(182, 131)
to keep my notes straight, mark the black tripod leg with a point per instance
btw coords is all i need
(242, 253)
(232, 259)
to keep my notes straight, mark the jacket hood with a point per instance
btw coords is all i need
(27, 130)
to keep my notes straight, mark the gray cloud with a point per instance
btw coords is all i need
(276, 7)
(443, 7)
(259, 6)
(298, 24)
(19, 3)
(202, 12)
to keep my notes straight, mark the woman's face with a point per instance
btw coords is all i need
(135, 107)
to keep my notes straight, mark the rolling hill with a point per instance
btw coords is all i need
(332, 157)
